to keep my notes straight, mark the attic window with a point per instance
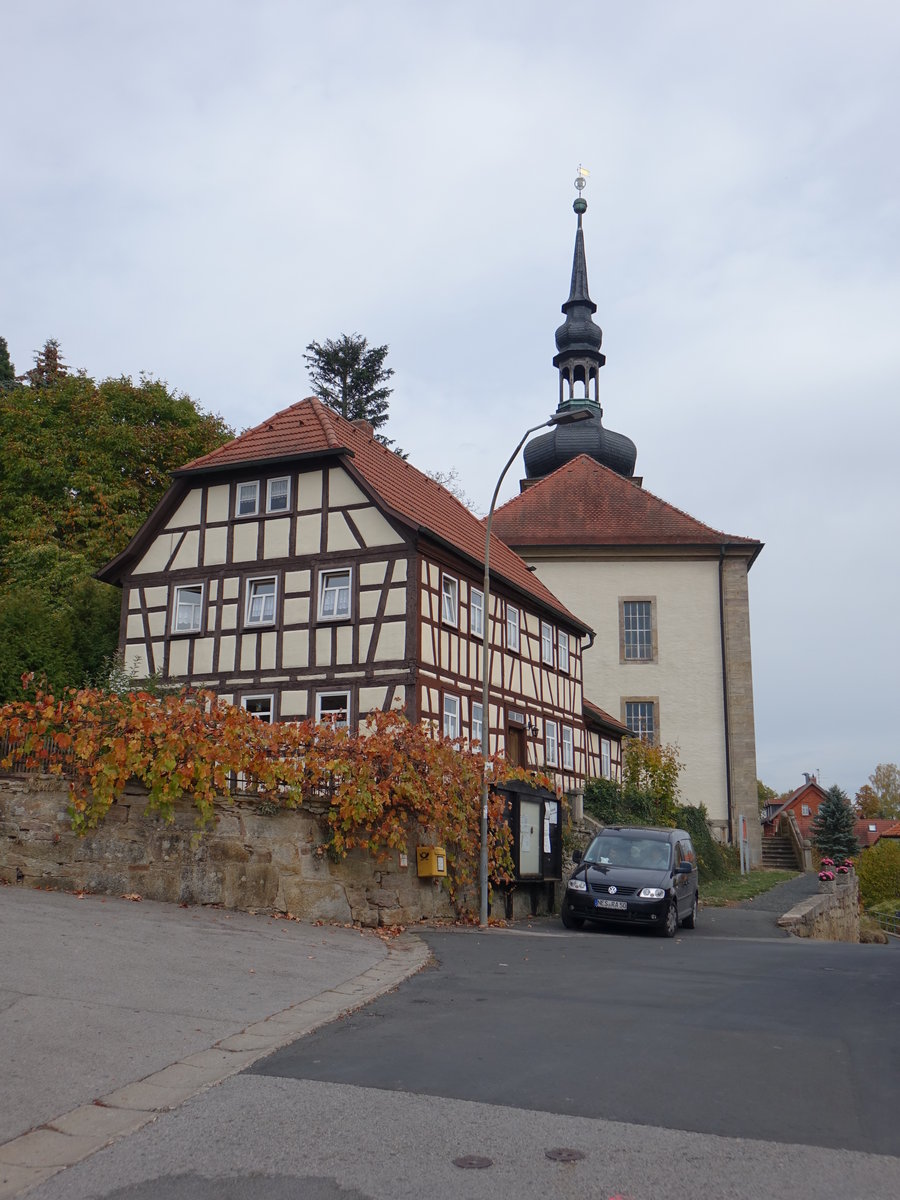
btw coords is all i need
(279, 495)
(248, 499)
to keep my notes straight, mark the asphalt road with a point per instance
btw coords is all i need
(731, 1063)
(794, 1042)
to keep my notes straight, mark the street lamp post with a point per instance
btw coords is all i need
(560, 418)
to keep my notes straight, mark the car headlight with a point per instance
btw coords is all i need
(652, 894)
(577, 885)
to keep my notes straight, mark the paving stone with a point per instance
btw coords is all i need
(47, 1148)
(96, 1120)
(147, 1098)
(14, 1180)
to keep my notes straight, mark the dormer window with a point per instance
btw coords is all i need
(248, 499)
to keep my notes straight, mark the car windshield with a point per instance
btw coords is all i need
(648, 853)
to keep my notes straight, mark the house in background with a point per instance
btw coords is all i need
(303, 570)
(803, 803)
(667, 594)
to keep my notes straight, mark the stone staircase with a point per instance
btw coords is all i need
(778, 853)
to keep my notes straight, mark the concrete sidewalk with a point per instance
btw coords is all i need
(112, 1011)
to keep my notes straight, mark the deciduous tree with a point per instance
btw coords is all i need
(84, 464)
(885, 783)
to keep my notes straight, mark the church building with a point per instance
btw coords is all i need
(666, 594)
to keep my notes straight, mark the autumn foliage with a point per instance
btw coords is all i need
(374, 789)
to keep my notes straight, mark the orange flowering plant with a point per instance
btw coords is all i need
(375, 788)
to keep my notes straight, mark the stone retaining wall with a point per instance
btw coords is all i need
(247, 861)
(832, 916)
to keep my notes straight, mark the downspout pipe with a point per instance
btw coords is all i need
(725, 695)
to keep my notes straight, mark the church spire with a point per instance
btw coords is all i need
(579, 359)
(578, 339)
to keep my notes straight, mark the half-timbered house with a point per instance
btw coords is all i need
(303, 570)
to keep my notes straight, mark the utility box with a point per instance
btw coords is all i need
(431, 861)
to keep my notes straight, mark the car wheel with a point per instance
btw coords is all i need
(570, 921)
(690, 921)
(670, 921)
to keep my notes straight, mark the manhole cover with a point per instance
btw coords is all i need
(473, 1162)
(564, 1154)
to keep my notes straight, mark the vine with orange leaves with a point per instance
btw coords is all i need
(377, 787)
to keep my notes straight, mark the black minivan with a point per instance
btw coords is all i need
(644, 876)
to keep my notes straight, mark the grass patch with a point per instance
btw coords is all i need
(730, 888)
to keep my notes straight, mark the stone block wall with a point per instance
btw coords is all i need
(247, 861)
(832, 916)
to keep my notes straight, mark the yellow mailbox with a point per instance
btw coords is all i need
(431, 860)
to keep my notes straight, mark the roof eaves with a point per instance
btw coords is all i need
(222, 468)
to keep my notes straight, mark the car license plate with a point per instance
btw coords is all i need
(619, 904)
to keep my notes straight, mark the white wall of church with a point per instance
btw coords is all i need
(685, 678)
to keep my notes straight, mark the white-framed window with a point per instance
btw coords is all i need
(187, 609)
(640, 717)
(333, 708)
(568, 748)
(247, 503)
(476, 613)
(605, 758)
(334, 595)
(261, 595)
(512, 628)
(562, 642)
(451, 716)
(547, 642)
(278, 495)
(804, 810)
(477, 724)
(551, 752)
(449, 600)
(262, 707)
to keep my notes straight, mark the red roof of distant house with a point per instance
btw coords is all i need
(586, 504)
(883, 827)
(310, 428)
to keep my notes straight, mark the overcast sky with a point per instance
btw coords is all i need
(198, 190)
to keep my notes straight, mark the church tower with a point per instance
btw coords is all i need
(666, 594)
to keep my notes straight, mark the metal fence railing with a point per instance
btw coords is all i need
(888, 924)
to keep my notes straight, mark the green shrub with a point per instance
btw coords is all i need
(878, 869)
(710, 857)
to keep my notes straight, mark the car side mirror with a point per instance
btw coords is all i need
(577, 856)
(683, 868)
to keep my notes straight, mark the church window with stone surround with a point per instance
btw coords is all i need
(640, 717)
(636, 630)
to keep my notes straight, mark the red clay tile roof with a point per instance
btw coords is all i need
(594, 712)
(884, 827)
(586, 504)
(310, 427)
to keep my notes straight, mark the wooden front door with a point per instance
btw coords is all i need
(516, 747)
